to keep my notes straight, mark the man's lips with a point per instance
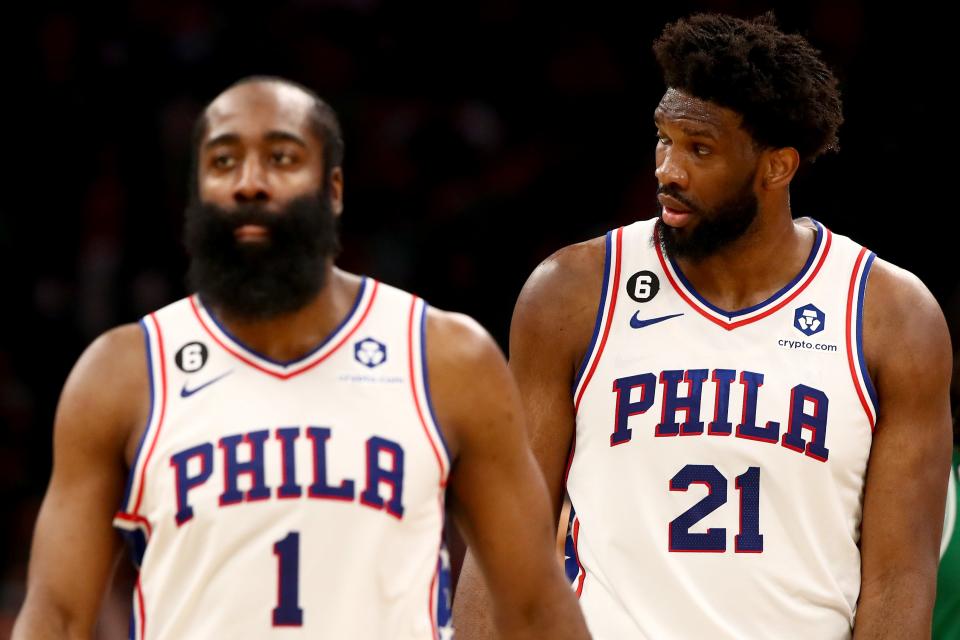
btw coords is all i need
(251, 233)
(673, 204)
(675, 213)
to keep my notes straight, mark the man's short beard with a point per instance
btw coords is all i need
(715, 229)
(263, 279)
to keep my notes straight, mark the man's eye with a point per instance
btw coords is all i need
(281, 158)
(223, 161)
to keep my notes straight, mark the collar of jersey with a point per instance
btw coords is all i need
(732, 319)
(283, 370)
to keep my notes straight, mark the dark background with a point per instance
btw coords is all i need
(481, 137)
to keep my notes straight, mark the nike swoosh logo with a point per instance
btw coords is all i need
(637, 323)
(186, 393)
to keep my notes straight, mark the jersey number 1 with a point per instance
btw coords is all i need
(748, 540)
(288, 613)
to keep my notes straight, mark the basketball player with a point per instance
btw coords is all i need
(280, 445)
(748, 412)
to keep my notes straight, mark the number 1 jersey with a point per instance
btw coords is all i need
(288, 499)
(718, 465)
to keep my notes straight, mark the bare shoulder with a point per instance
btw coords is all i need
(457, 343)
(903, 323)
(557, 308)
(582, 258)
(468, 375)
(897, 286)
(573, 274)
(117, 357)
(107, 392)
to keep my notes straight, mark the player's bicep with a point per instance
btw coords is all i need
(551, 326)
(499, 499)
(497, 493)
(910, 455)
(74, 544)
(547, 405)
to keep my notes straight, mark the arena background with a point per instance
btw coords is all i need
(481, 137)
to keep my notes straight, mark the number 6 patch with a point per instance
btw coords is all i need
(191, 357)
(643, 286)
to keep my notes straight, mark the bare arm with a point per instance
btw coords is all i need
(74, 544)
(551, 328)
(498, 496)
(908, 351)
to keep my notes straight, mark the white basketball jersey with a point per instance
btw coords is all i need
(719, 458)
(298, 499)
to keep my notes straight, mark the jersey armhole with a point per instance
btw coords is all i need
(420, 382)
(156, 374)
(854, 336)
(608, 303)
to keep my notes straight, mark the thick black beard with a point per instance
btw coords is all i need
(716, 228)
(260, 280)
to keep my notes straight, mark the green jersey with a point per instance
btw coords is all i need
(946, 611)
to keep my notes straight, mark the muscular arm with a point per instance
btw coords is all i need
(498, 496)
(551, 328)
(908, 352)
(74, 544)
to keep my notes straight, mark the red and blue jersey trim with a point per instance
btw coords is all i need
(153, 403)
(157, 374)
(599, 320)
(420, 386)
(286, 370)
(731, 320)
(854, 336)
(598, 341)
(572, 565)
(608, 304)
(423, 404)
(134, 527)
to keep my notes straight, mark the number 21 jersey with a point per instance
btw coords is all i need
(718, 464)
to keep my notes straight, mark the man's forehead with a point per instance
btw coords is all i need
(677, 105)
(260, 105)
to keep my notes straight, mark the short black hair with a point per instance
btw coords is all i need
(777, 82)
(323, 121)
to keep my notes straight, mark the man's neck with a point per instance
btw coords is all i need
(755, 266)
(293, 335)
